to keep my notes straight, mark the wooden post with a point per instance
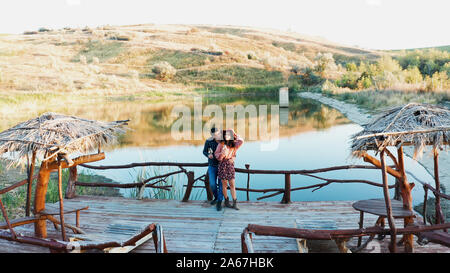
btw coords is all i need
(190, 184)
(425, 199)
(405, 192)
(437, 206)
(287, 189)
(61, 202)
(247, 166)
(30, 183)
(283, 95)
(71, 187)
(40, 228)
(5, 215)
(397, 195)
(209, 193)
(392, 245)
(361, 225)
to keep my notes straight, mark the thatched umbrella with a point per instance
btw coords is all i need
(414, 124)
(52, 139)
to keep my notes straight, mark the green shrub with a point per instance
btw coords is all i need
(412, 75)
(364, 82)
(439, 81)
(351, 67)
(164, 71)
(309, 77)
(349, 80)
(324, 62)
(428, 61)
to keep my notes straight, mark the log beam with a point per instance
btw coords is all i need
(53, 165)
(377, 163)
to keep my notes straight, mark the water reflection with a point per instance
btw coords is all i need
(151, 122)
(311, 136)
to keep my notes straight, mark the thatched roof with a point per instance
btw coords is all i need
(57, 133)
(412, 124)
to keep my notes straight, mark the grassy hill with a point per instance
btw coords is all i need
(119, 60)
(171, 61)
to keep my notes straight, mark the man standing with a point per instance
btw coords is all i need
(213, 164)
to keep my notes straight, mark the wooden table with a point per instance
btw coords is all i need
(378, 207)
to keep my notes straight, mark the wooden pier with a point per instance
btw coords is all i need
(196, 226)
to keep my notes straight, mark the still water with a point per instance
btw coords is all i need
(311, 135)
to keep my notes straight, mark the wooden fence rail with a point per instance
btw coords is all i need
(286, 191)
(339, 235)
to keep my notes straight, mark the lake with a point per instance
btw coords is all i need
(310, 135)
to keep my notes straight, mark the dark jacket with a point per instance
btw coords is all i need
(211, 143)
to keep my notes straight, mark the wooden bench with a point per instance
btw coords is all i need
(328, 246)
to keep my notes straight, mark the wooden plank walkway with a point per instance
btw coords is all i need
(196, 226)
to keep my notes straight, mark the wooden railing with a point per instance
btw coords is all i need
(63, 246)
(437, 194)
(341, 236)
(191, 179)
(153, 181)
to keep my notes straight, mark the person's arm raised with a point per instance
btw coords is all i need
(218, 153)
(239, 141)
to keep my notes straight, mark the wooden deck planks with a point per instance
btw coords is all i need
(196, 226)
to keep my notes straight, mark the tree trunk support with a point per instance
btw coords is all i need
(392, 245)
(30, 172)
(405, 191)
(190, 184)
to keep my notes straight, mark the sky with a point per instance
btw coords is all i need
(373, 24)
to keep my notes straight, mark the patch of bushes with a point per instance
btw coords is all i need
(231, 75)
(428, 61)
(164, 71)
(177, 58)
(285, 46)
(310, 77)
(103, 51)
(373, 100)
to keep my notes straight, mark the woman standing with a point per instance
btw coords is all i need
(226, 154)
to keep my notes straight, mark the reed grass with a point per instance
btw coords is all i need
(176, 192)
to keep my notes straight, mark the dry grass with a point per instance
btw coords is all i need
(414, 123)
(50, 61)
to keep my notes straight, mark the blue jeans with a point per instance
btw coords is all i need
(216, 186)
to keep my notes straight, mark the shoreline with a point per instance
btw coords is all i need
(361, 117)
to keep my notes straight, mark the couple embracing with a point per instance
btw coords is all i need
(221, 151)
